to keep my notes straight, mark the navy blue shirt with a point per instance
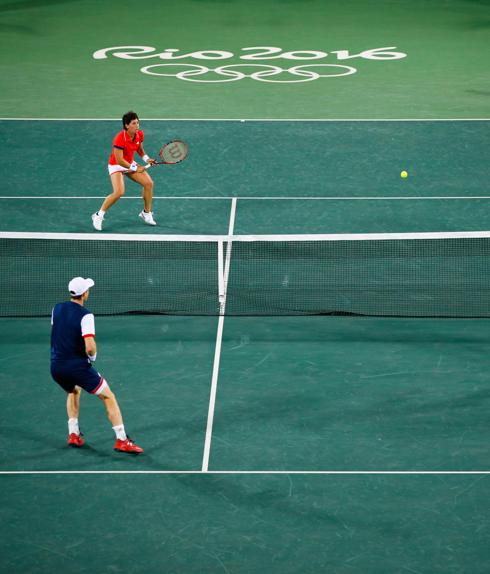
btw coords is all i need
(71, 322)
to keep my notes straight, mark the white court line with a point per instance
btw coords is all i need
(219, 338)
(252, 119)
(269, 198)
(256, 472)
(9, 235)
(227, 198)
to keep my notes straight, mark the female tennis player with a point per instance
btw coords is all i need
(122, 164)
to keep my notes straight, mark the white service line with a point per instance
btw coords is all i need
(252, 119)
(219, 338)
(225, 197)
(254, 472)
(260, 197)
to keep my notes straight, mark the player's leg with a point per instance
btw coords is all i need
(117, 181)
(123, 442)
(118, 188)
(73, 403)
(68, 382)
(146, 183)
(73, 410)
(94, 383)
(111, 406)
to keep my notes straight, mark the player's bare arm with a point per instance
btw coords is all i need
(122, 162)
(90, 346)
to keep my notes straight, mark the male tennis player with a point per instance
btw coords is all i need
(121, 164)
(73, 350)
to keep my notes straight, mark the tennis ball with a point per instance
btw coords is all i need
(404, 174)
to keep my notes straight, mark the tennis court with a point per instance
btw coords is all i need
(320, 442)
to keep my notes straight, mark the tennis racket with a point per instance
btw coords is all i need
(173, 152)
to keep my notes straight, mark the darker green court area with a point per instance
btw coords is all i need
(210, 524)
(370, 394)
(300, 393)
(160, 370)
(255, 159)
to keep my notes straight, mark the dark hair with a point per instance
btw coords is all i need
(128, 118)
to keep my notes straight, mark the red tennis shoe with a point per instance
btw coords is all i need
(127, 446)
(75, 440)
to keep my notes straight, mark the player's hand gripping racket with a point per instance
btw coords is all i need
(172, 152)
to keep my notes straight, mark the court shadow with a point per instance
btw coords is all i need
(478, 25)
(484, 93)
(29, 445)
(38, 452)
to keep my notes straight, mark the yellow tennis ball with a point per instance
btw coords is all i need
(404, 174)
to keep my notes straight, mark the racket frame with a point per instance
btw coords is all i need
(146, 166)
(163, 162)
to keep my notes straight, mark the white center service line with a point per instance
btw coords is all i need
(219, 337)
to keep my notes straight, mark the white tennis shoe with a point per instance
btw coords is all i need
(97, 220)
(147, 217)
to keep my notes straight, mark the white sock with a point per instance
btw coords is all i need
(73, 426)
(120, 432)
(101, 212)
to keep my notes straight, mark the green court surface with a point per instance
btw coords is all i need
(295, 395)
(249, 524)
(286, 445)
(257, 159)
(296, 177)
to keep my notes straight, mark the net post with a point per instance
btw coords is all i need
(221, 278)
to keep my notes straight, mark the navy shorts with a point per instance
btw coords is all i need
(69, 374)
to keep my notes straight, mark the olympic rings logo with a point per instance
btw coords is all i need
(267, 73)
(253, 55)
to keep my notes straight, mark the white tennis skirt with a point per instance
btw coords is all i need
(115, 168)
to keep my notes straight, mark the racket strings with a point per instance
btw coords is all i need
(174, 152)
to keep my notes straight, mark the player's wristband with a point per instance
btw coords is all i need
(146, 158)
(133, 166)
(92, 358)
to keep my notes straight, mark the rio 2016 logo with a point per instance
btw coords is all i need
(232, 72)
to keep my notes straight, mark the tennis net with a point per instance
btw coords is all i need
(397, 275)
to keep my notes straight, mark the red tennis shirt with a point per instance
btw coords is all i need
(123, 141)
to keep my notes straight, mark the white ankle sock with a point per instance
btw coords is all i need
(120, 432)
(101, 212)
(73, 426)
